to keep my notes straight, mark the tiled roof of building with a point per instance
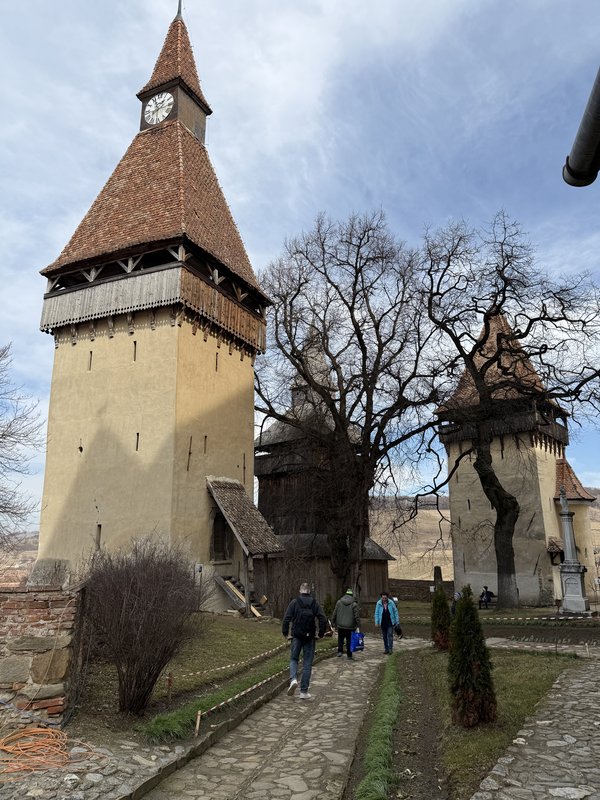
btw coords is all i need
(164, 188)
(573, 487)
(512, 377)
(243, 517)
(176, 60)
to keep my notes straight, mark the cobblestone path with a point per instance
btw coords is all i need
(291, 749)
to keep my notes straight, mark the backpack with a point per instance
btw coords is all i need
(303, 623)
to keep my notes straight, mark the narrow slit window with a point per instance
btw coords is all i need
(205, 444)
(189, 455)
(137, 442)
(134, 350)
(468, 504)
(98, 536)
(90, 360)
(216, 362)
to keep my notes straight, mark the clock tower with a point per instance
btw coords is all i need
(157, 317)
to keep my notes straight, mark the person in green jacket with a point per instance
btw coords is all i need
(346, 619)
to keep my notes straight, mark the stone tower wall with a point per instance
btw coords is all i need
(141, 412)
(528, 470)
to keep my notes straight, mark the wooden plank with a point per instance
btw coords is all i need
(242, 599)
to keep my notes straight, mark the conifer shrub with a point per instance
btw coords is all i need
(440, 619)
(469, 667)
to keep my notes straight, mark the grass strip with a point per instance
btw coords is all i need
(379, 776)
(179, 724)
(521, 681)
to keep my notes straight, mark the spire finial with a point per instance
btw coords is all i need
(178, 15)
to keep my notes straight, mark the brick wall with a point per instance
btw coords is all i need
(38, 647)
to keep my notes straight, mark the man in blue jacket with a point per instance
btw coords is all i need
(386, 616)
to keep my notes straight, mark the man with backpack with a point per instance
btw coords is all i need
(303, 613)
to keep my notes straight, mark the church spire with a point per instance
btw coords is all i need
(176, 65)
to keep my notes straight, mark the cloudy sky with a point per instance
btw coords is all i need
(430, 109)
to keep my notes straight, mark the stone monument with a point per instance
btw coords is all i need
(571, 570)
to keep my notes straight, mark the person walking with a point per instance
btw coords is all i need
(386, 616)
(305, 615)
(346, 619)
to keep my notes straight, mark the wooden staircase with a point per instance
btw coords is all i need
(236, 592)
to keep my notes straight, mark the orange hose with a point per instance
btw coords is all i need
(35, 749)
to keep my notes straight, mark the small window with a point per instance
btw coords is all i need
(98, 539)
(137, 442)
(216, 362)
(134, 350)
(468, 504)
(90, 361)
(205, 444)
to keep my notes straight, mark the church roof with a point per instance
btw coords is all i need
(176, 61)
(573, 486)
(243, 517)
(511, 377)
(164, 188)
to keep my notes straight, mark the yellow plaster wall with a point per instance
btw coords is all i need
(215, 409)
(94, 473)
(102, 410)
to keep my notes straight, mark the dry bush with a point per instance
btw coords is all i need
(137, 603)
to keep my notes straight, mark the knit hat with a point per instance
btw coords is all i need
(349, 591)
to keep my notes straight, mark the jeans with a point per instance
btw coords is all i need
(344, 633)
(308, 653)
(388, 638)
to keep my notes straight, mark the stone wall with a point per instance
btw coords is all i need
(417, 590)
(38, 654)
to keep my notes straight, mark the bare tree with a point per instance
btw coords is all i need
(138, 602)
(20, 436)
(346, 333)
(526, 348)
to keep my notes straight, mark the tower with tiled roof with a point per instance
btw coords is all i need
(528, 453)
(157, 317)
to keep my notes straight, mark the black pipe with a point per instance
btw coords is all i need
(583, 162)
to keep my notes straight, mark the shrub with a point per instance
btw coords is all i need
(469, 667)
(138, 602)
(328, 605)
(440, 619)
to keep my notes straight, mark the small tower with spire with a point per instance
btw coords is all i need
(530, 437)
(157, 317)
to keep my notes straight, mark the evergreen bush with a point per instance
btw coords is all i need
(440, 619)
(469, 667)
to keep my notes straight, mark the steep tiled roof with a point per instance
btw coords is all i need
(176, 60)
(513, 376)
(243, 517)
(163, 188)
(567, 478)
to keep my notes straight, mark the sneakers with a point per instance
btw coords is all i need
(339, 655)
(292, 687)
(305, 695)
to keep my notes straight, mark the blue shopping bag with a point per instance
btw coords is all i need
(357, 641)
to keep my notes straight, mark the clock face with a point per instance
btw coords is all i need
(158, 108)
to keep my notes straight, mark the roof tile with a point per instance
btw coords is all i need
(243, 517)
(163, 188)
(176, 60)
(566, 477)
